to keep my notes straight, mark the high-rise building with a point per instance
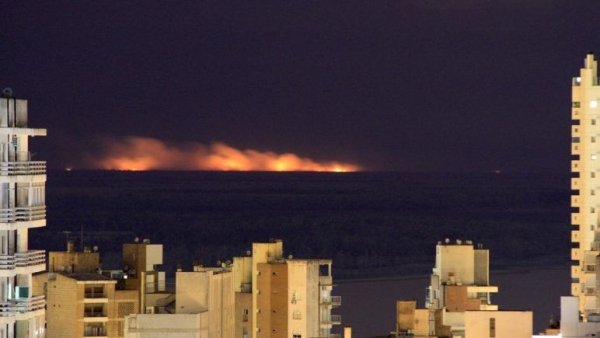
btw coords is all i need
(585, 184)
(22, 206)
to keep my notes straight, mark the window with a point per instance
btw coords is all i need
(593, 122)
(593, 104)
(297, 336)
(592, 210)
(592, 192)
(576, 104)
(594, 156)
(492, 327)
(575, 140)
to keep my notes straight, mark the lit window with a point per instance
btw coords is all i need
(594, 156)
(593, 104)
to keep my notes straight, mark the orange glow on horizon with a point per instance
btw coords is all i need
(143, 153)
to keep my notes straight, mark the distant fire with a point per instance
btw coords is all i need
(142, 153)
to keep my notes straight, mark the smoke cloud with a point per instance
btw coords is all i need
(143, 153)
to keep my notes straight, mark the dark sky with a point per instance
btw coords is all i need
(452, 85)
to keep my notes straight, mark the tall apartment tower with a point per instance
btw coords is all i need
(22, 206)
(585, 184)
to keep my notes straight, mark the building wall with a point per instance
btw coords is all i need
(63, 312)
(482, 266)
(125, 302)
(63, 261)
(242, 274)
(262, 253)
(211, 290)
(456, 264)
(167, 325)
(506, 324)
(272, 312)
(456, 299)
(585, 199)
(243, 315)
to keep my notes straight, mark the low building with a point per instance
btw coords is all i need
(86, 305)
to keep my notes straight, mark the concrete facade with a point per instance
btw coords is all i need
(496, 324)
(585, 199)
(22, 207)
(167, 326)
(87, 304)
(208, 290)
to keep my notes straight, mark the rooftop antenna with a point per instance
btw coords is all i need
(81, 238)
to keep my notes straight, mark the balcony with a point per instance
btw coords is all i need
(332, 320)
(94, 293)
(22, 168)
(23, 214)
(332, 300)
(94, 331)
(27, 259)
(22, 305)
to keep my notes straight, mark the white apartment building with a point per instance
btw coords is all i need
(22, 206)
(585, 185)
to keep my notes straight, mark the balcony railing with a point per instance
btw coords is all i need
(23, 168)
(94, 314)
(22, 259)
(94, 294)
(332, 335)
(23, 214)
(94, 331)
(22, 305)
(332, 320)
(332, 300)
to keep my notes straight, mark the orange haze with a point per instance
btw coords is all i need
(143, 153)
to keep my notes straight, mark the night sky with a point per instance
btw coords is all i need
(465, 85)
